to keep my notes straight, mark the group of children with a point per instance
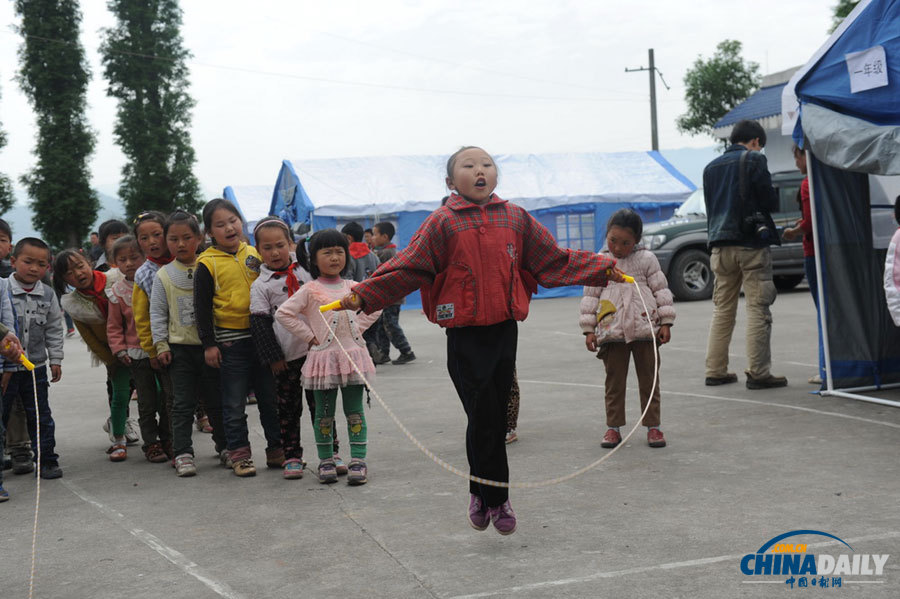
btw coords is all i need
(183, 325)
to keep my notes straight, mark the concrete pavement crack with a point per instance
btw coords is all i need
(381, 546)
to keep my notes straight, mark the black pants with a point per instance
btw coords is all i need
(481, 361)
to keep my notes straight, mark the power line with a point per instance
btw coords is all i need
(353, 83)
(475, 68)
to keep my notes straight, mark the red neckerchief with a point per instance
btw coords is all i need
(293, 283)
(358, 249)
(389, 246)
(160, 261)
(98, 292)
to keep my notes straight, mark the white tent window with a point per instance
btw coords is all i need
(575, 231)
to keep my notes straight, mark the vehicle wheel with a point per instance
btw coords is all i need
(786, 282)
(690, 277)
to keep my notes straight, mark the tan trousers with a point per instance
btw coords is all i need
(615, 357)
(17, 439)
(733, 267)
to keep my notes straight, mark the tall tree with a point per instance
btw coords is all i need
(54, 75)
(6, 193)
(715, 86)
(145, 62)
(841, 10)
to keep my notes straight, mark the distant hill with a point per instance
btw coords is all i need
(19, 217)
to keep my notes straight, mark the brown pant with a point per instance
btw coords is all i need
(615, 357)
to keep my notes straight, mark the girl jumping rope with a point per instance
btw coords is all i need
(478, 259)
(625, 331)
(327, 369)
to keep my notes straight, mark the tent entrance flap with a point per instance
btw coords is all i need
(868, 351)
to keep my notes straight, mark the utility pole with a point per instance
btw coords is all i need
(654, 135)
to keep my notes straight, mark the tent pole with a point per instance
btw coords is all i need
(829, 386)
(866, 398)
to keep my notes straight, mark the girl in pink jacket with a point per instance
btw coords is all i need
(626, 331)
(126, 347)
(327, 368)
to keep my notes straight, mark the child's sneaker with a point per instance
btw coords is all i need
(479, 515)
(504, 518)
(117, 452)
(511, 436)
(327, 472)
(244, 467)
(611, 438)
(4, 496)
(251, 398)
(357, 472)
(51, 470)
(339, 465)
(225, 459)
(203, 425)
(107, 428)
(131, 435)
(293, 468)
(655, 438)
(22, 462)
(184, 465)
(404, 359)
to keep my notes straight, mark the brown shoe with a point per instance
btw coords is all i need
(244, 468)
(155, 454)
(655, 438)
(117, 452)
(769, 382)
(712, 381)
(611, 438)
(274, 457)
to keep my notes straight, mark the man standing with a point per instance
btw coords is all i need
(737, 188)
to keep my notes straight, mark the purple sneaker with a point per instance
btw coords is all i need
(479, 515)
(504, 518)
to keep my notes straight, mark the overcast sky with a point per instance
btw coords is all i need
(300, 79)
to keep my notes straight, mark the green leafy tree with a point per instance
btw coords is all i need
(715, 86)
(6, 192)
(144, 60)
(54, 75)
(841, 10)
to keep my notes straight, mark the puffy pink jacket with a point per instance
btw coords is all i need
(629, 323)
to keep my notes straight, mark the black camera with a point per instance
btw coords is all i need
(757, 226)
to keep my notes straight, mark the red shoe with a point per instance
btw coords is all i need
(611, 438)
(655, 438)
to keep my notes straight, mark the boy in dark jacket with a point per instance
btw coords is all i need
(387, 329)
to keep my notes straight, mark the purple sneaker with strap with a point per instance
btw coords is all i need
(479, 515)
(504, 518)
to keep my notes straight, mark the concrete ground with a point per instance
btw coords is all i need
(741, 467)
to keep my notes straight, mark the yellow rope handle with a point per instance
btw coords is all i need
(478, 479)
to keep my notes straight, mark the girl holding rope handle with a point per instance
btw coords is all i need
(626, 330)
(478, 259)
(327, 369)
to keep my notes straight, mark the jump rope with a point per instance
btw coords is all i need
(23, 359)
(494, 483)
(437, 460)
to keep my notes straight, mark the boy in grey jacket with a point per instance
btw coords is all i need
(40, 326)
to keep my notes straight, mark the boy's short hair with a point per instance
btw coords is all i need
(123, 243)
(354, 230)
(33, 242)
(5, 229)
(747, 130)
(385, 228)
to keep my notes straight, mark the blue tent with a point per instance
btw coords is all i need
(573, 195)
(843, 106)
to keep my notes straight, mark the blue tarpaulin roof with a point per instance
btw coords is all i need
(765, 102)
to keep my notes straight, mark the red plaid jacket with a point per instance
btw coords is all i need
(479, 265)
